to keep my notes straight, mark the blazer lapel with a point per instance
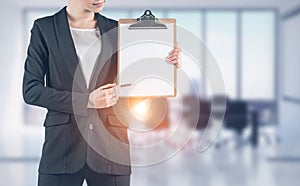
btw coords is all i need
(103, 65)
(67, 48)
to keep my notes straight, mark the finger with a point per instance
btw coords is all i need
(109, 105)
(111, 102)
(110, 96)
(177, 54)
(176, 62)
(178, 65)
(116, 94)
(105, 98)
(114, 100)
(117, 90)
(110, 85)
(115, 97)
(173, 54)
(176, 50)
(108, 101)
(172, 58)
(109, 91)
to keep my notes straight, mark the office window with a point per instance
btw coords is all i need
(190, 20)
(258, 60)
(115, 14)
(221, 38)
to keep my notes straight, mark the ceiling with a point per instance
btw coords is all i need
(281, 5)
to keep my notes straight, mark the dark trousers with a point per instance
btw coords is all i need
(76, 179)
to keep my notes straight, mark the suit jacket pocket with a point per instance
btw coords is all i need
(114, 121)
(56, 118)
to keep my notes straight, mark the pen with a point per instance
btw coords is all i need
(126, 85)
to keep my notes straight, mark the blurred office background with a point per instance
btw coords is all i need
(255, 43)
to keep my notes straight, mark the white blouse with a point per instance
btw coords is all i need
(88, 48)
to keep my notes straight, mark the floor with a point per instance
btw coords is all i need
(224, 166)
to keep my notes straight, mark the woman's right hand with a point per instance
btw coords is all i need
(103, 97)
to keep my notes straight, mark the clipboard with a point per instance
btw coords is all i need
(143, 45)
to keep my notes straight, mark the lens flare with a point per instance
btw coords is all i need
(142, 111)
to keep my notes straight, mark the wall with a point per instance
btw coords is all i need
(10, 50)
(291, 55)
(289, 110)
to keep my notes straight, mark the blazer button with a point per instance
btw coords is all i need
(91, 126)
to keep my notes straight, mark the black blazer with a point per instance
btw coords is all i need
(53, 80)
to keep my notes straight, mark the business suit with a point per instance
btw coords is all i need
(70, 144)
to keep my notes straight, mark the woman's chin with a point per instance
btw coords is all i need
(96, 10)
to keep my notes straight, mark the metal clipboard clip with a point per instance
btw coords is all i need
(147, 21)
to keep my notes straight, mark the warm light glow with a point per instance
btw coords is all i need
(142, 110)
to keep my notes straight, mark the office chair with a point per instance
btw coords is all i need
(237, 117)
(195, 119)
(205, 112)
(188, 114)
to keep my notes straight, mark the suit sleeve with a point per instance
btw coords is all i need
(34, 90)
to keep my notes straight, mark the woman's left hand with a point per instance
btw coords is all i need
(174, 56)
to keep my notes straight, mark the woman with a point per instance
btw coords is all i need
(71, 38)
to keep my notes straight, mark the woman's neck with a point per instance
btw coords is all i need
(80, 18)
